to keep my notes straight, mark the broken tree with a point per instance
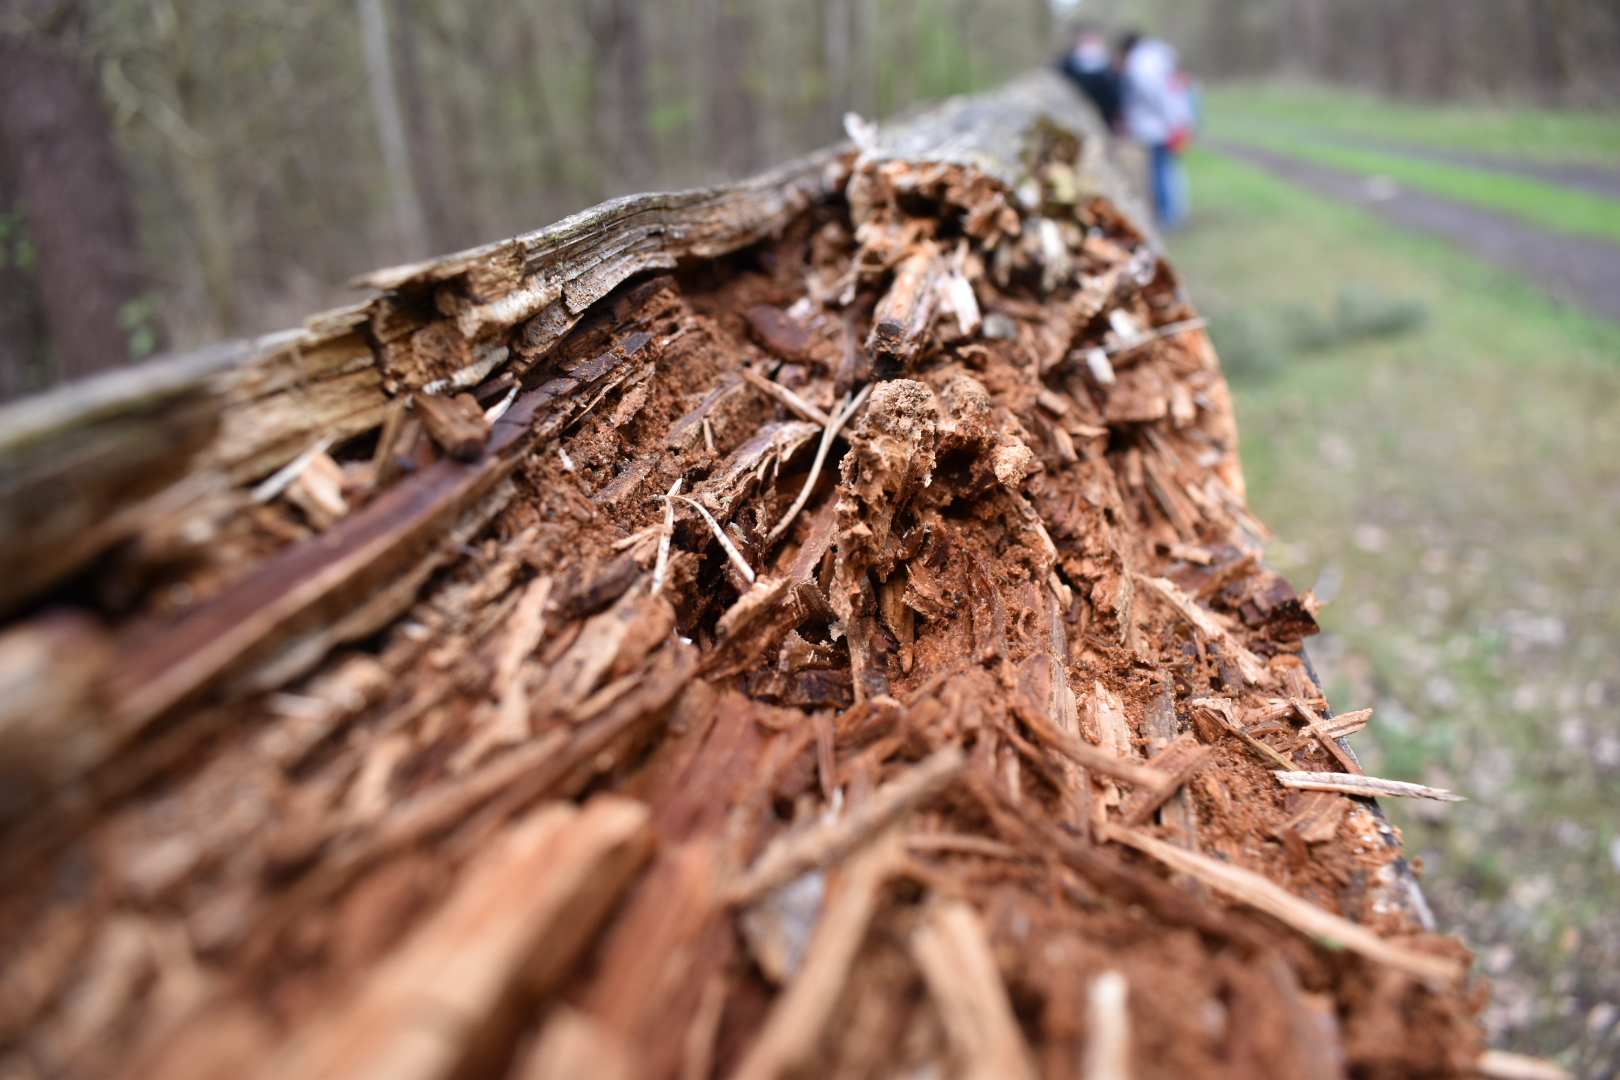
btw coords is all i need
(809, 627)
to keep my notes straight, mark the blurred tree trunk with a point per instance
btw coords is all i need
(196, 157)
(1310, 37)
(621, 90)
(837, 52)
(731, 114)
(443, 227)
(1548, 68)
(24, 341)
(1441, 78)
(401, 180)
(60, 151)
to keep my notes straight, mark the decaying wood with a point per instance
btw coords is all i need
(806, 627)
(455, 992)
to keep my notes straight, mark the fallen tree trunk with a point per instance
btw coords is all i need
(807, 627)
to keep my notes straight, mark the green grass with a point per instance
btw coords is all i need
(1454, 482)
(1548, 205)
(1540, 134)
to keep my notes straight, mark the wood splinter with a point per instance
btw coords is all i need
(825, 841)
(795, 1026)
(1265, 895)
(1364, 786)
(953, 951)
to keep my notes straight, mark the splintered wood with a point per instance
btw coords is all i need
(811, 628)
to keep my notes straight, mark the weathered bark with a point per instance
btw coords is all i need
(68, 177)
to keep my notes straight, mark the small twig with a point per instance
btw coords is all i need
(1168, 330)
(1092, 757)
(792, 401)
(636, 538)
(1368, 786)
(498, 410)
(1253, 671)
(282, 478)
(828, 433)
(661, 567)
(719, 534)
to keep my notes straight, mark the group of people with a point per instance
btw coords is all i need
(1144, 96)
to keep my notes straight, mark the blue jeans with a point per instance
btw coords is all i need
(1169, 187)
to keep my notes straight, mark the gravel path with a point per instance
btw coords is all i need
(1575, 269)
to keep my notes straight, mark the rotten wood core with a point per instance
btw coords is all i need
(825, 636)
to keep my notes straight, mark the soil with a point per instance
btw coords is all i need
(869, 794)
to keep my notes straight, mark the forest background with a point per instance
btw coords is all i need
(174, 172)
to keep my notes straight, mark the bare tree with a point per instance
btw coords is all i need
(621, 89)
(24, 344)
(68, 177)
(398, 173)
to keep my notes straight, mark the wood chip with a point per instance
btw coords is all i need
(1503, 1065)
(1178, 762)
(457, 424)
(1108, 1046)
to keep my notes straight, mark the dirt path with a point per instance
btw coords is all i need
(1580, 271)
(1592, 179)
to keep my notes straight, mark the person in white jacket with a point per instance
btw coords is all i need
(1157, 107)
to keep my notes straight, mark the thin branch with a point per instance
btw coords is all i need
(828, 433)
(792, 401)
(1329, 743)
(661, 567)
(719, 534)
